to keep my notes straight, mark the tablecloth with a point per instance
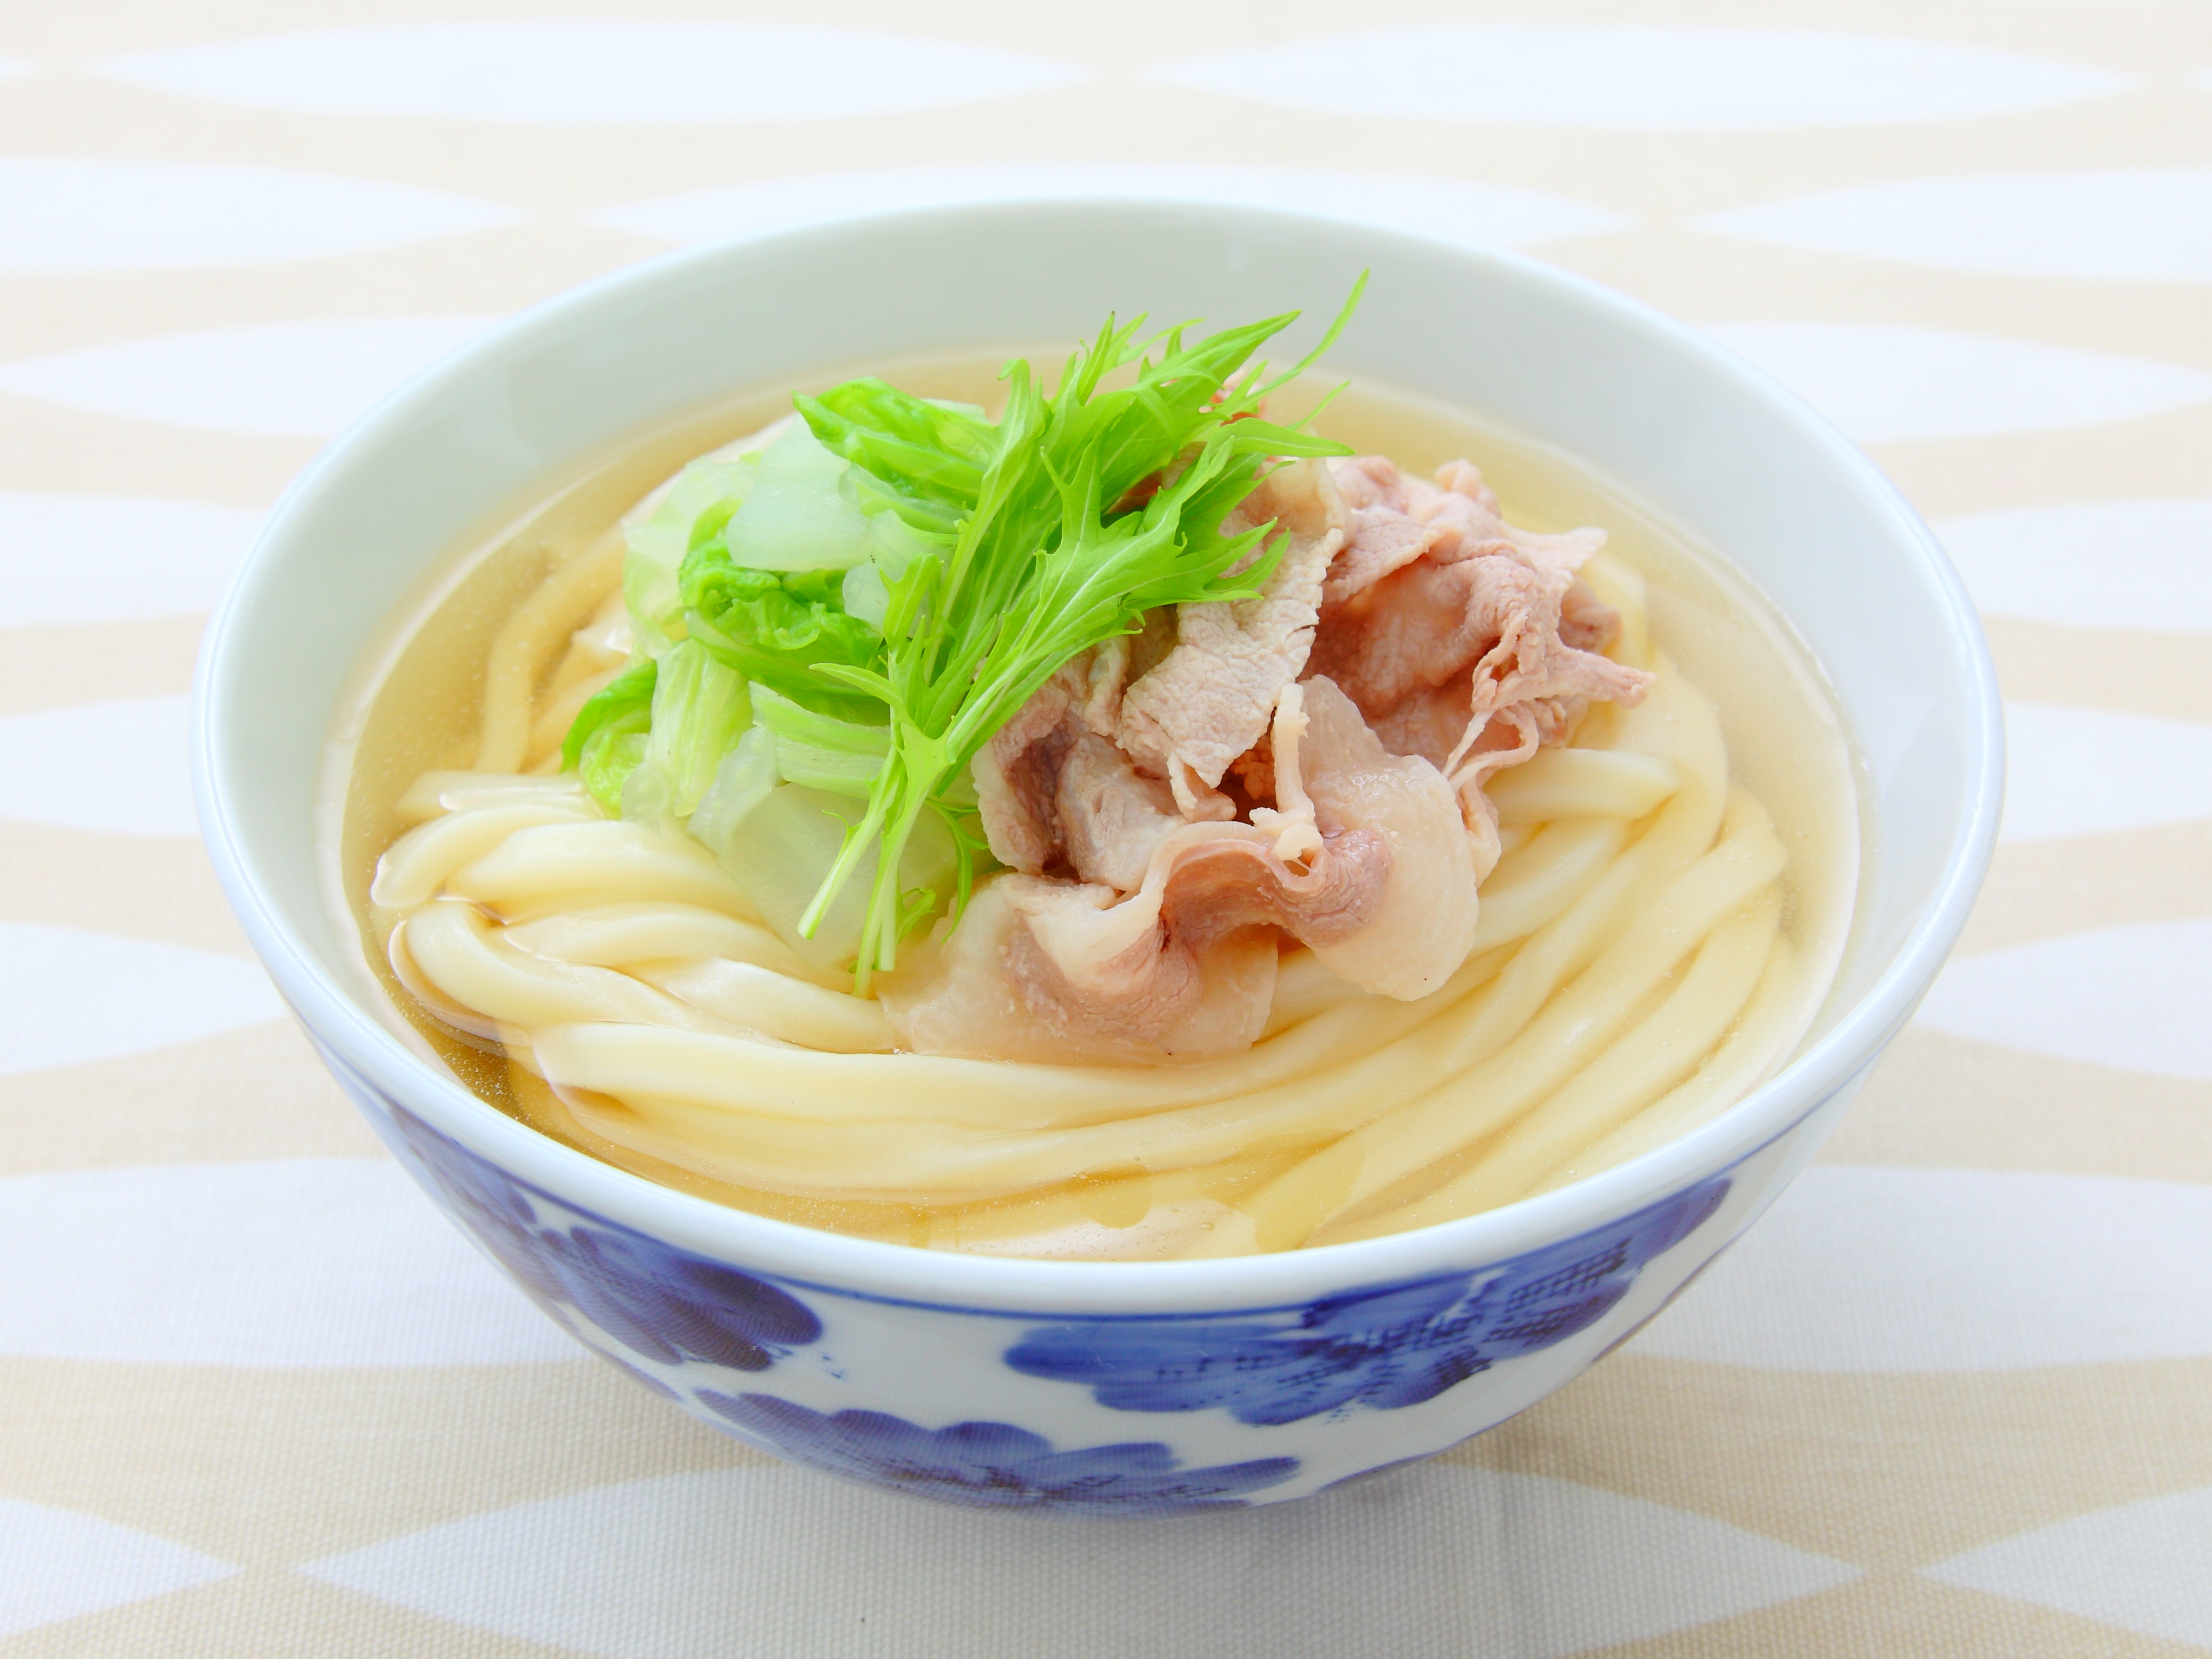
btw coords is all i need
(1952, 1397)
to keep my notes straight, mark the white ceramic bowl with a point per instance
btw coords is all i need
(1135, 1387)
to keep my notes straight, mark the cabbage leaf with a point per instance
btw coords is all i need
(1041, 562)
(886, 585)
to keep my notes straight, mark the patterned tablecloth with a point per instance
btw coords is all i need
(1954, 1397)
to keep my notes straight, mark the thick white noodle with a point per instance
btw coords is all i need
(1630, 975)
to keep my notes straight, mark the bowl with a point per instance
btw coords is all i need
(1118, 1388)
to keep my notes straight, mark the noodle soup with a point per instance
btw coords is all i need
(1671, 887)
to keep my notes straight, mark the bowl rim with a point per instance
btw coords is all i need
(347, 1031)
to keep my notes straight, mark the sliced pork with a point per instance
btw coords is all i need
(1409, 643)
(1054, 793)
(1479, 645)
(1207, 701)
(1183, 966)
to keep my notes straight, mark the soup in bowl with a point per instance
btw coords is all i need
(923, 925)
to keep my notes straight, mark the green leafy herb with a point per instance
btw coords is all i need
(1041, 566)
(958, 562)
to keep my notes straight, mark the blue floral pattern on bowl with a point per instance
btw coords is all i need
(992, 1465)
(656, 1301)
(1382, 1348)
(680, 1324)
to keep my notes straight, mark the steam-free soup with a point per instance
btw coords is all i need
(1377, 967)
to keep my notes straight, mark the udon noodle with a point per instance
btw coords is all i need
(1650, 945)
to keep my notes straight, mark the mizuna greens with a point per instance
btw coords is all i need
(858, 606)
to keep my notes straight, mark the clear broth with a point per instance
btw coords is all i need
(421, 696)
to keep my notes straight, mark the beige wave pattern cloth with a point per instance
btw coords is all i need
(1983, 1428)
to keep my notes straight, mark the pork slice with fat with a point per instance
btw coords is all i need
(1183, 966)
(1209, 699)
(1017, 773)
(1478, 650)
(1053, 792)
